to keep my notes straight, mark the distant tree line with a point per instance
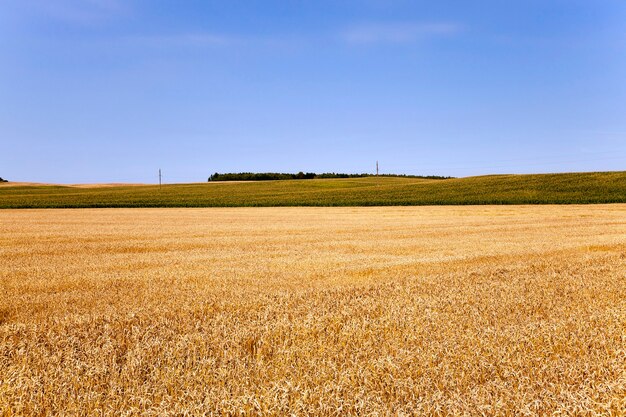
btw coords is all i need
(3, 180)
(267, 176)
(261, 176)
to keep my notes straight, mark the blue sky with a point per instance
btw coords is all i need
(111, 91)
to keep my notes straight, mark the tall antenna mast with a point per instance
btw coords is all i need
(159, 178)
(376, 168)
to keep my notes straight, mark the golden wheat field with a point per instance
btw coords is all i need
(509, 310)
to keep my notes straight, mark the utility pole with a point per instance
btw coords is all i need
(159, 179)
(376, 168)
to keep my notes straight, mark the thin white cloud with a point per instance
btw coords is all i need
(76, 11)
(362, 34)
(203, 39)
(402, 32)
(195, 39)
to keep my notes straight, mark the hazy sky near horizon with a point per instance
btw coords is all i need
(113, 90)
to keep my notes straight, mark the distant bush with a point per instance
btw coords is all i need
(267, 176)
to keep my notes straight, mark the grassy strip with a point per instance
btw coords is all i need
(571, 188)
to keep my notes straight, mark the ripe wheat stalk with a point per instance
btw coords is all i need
(512, 310)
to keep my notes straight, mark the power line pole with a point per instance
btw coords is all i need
(159, 179)
(376, 168)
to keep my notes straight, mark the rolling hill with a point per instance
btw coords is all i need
(569, 188)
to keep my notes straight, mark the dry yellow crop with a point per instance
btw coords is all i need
(512, 310)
